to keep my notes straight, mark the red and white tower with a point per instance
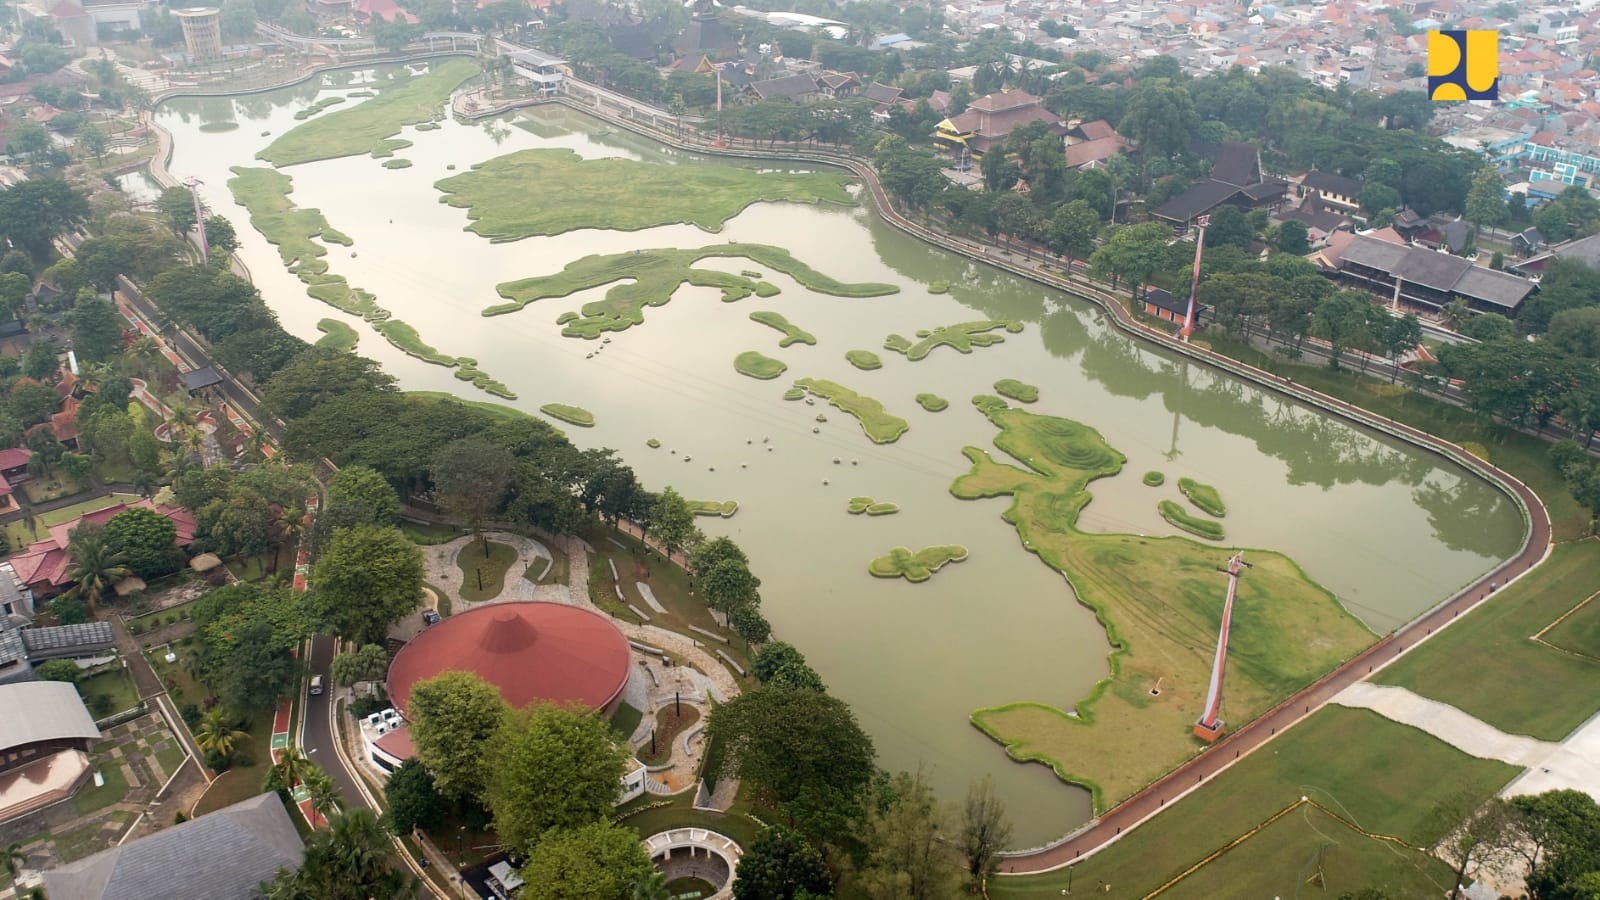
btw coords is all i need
(1194, 290)
(1209, 727)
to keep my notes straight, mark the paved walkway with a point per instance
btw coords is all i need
(1572, 763)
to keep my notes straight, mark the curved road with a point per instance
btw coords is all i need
(1122, 818)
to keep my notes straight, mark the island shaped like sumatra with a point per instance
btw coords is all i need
(1160, 599)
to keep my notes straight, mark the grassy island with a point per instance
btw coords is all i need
(1153, 478)
(723, 508)
(792, 334)
(364, 127)
(1016, 390)
(880, 426)
(795, 393)
(397, 164)
(759, 365)
(919, 566)
(1159, 599)
(865, 360)
(337, 334)
(1203, 496)
(962, 337)
(1179, 517)
(933, 402)
(939, 287)
(572, 415)
(619, 194)
(302, 236)
(649, 278)
(871, 507)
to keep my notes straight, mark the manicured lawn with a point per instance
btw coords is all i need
(1178, 517)
(557, 573)
(490, 570)
(1487, 665)
(426, 533)
(734, 823)
(243, 782)
(114, 684)
(171, 757)
(603, 591)
(1282, 857)
(650, 277)
(619, 194)
(1203, 496)
(51, 487)
(625, 721)
(881, 426)
(365, 127)
(91, 798)
(1580, 631)
(65, 514)
(179, 683)
(1384, 777)
(1161, 601)
(255, 568)
(1526, 457)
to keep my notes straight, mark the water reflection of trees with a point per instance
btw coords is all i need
(1458, 510)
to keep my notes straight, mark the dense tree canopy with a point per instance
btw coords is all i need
(553, 768)
(587, 862)
(452, 717)
(366, 579)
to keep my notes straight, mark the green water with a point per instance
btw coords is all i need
(1390, 530)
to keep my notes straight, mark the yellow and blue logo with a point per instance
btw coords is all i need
(1464, 65)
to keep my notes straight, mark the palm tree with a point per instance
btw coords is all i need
(324, 792)
(217, 734)
(290, 530)
(360, 851)
(11, 859)
(653, 887)
(95, 567)
(290, 769)
(145, 350)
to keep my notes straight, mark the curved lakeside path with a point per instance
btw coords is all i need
(1111, 825)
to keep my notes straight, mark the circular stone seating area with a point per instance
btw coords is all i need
(696, 853)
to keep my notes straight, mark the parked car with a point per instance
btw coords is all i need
(430, 617)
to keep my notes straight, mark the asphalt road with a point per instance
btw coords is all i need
(317, 738)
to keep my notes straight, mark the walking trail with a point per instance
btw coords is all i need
(1572, 763)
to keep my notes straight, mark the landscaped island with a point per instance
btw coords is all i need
(871, 507)
(365, 128)
(1016, 390)
(533, 193)
(759, 365)
(572, 415)
(919, 566)
(301, 235)
(723, 508)
(881, 426)
(1203, 496)
(1179, 517)
(962, 337)
(1159, 599)
(337, 334)
(933, 402)
(792, 334)
(865, 360)
(651, 276)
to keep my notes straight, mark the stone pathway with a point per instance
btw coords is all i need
(439, 568)
(1572, 763)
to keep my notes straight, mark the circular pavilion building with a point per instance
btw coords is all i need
(532, 652)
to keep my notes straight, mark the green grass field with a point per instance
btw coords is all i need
(650, 277)
(337, 334)
(1526, 457)
(1160, 600)
(792, 334)
(1579, 632)
(1282, 860)
(92, 799)
(961, 337)
(19, 534)
(1488, 666)
(919, 566)
(365, 127)
(1178, 517)
(1384, 777)
(115, 684)
(473, 564)
(881, 426)
(758, 365)
(619, 194)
